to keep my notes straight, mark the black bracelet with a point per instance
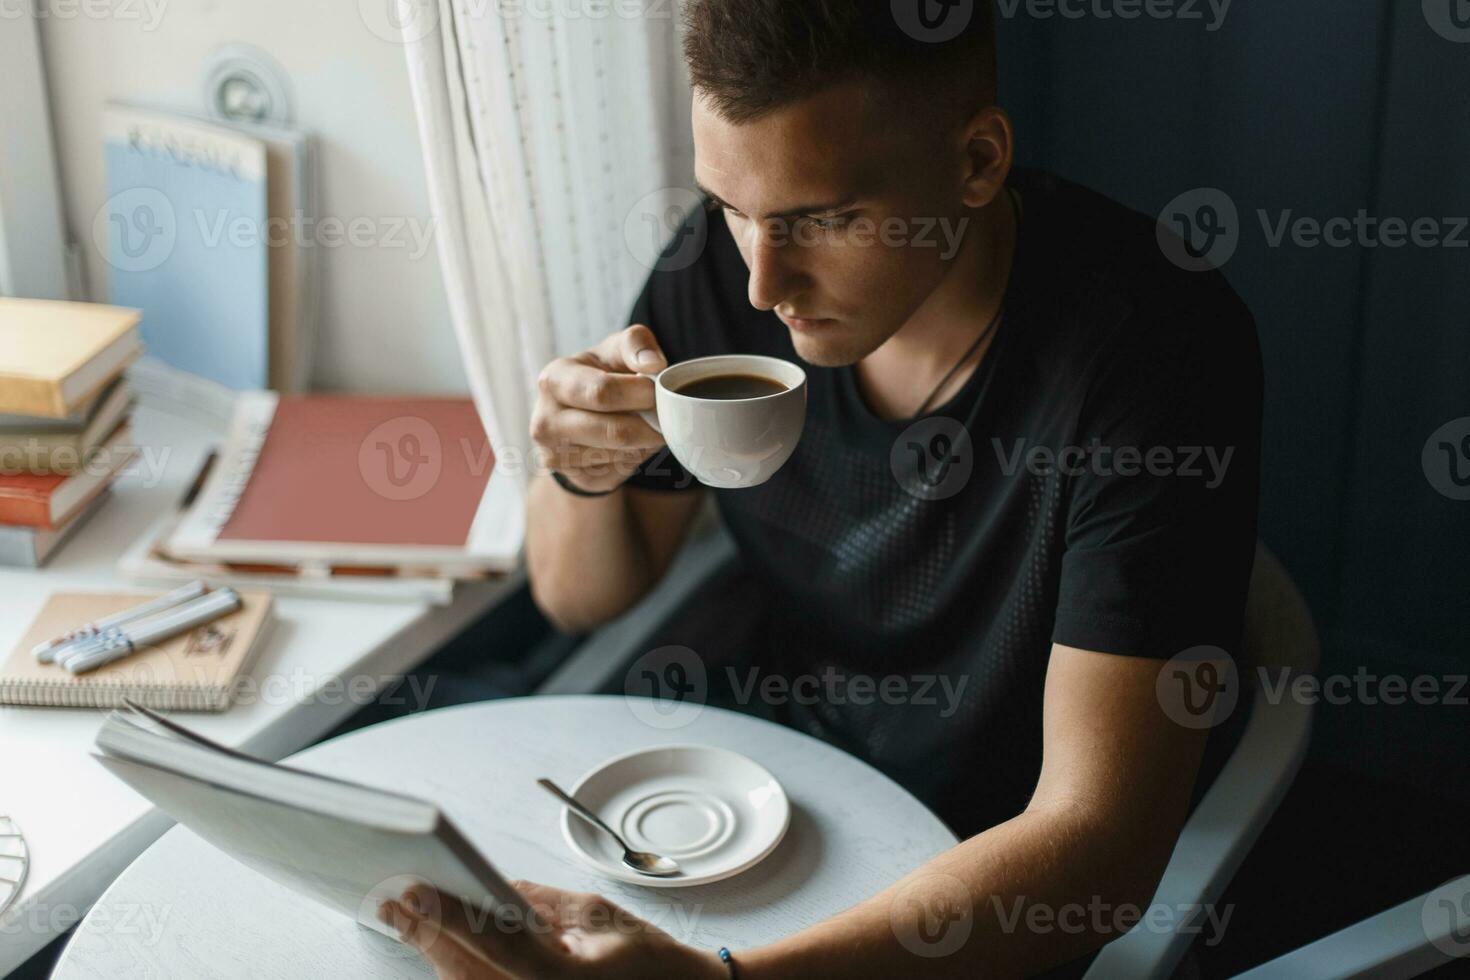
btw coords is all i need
(577, 491)
(729, 960)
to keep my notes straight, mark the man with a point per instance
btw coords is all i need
(1002, 483)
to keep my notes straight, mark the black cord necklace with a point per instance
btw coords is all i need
(989, 328)
(984, 334)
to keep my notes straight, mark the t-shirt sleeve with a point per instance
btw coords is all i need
(1160, 525)
(654, 309)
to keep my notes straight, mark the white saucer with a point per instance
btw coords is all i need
(714, 811)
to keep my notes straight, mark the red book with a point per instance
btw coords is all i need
(49, 500)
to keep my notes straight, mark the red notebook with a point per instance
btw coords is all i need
(354, 481)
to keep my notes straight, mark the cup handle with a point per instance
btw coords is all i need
(651, 417)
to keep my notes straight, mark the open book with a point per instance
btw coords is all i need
(346, 845)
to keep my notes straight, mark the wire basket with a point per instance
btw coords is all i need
(15, 861)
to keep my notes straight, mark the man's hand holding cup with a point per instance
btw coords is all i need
(586, 424)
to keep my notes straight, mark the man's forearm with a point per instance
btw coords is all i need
(1039, 890)
(586, 558)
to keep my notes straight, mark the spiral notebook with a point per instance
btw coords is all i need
(194, 671)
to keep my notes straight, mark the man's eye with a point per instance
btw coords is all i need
(716, 206)
(830, 224)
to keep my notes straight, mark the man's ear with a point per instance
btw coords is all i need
(988, 148)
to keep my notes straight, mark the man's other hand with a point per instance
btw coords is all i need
(571, 935)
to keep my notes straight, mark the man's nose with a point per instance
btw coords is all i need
(774, 272)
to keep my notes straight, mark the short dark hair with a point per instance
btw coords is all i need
(749, 57)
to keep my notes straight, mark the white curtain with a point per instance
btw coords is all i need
(554, 133)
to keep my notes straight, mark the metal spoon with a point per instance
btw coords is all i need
(653, 865)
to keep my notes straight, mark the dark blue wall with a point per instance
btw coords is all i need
(1323, 108)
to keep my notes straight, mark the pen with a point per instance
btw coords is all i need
(103, 649)
(48, 652)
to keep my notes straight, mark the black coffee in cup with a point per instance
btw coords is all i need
(731, 387)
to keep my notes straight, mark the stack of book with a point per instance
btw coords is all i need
(64, 408)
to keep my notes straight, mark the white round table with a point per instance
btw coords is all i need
(184, 909)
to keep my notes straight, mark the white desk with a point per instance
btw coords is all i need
(186, 909)
(82, 825)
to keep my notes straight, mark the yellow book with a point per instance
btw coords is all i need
(54, 356)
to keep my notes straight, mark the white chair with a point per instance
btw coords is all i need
(1408, 940)
(1280, 639)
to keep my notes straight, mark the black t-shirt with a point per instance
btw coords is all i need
(917, 572)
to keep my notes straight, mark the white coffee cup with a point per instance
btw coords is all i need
(730, 443)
